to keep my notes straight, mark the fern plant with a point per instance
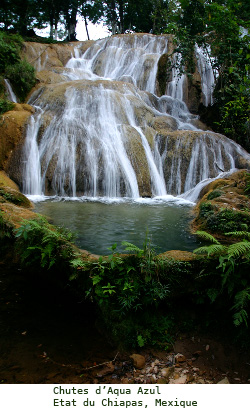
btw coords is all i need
(234, 264)
(38, 241)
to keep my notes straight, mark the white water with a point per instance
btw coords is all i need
(175, 86)
(10, 93)
(207, 75)
(86, 148)
(32, 169)
(134, 61)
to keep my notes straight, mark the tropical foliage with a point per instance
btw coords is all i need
(233, 268)
(20, 73)
(219, 27)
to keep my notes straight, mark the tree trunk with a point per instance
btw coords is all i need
(113, 17)
(51, 22)
(86, 26)
(72, 25)
(121, 16)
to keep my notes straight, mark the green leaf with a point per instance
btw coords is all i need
(211, 250)
(239, 249)
(140, 341)
(96, 279)
(207, 237)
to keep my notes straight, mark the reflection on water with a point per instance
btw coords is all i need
(98, 225)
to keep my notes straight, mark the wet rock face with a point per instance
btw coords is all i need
(102, 130)
(47, 56)
(92, 129)
(163, 74)
(12, 134)
(14, 206)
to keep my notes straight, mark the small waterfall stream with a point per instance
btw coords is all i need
(9, 90)
(105, 133)
(207, 75)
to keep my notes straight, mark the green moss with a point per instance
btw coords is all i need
(247, 188)
(14, 197)
(214, 194)
(227, 220)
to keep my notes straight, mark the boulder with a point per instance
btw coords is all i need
(138, 361)
(12, 133)
(5, 181)
(46, 56)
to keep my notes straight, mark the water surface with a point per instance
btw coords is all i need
(100, 224)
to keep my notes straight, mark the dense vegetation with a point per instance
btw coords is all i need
(141, 297)
(142, 282)
(19, 72)
(219, 27)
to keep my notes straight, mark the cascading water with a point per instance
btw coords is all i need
(10, 93)
(175, 86)
(32, 171)
(104, 132)
(207, 75)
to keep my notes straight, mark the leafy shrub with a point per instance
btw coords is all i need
(125, 284)
(10, 46)
(22, 77)
(5, 105)
(206, 208)
(40, 242)
(128, 291)
(20, 73)
(227, 220)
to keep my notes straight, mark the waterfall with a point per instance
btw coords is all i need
(32, 169)
(113, 58)
(103, 131)
(175, 86)
(207, 76)
(10, 93)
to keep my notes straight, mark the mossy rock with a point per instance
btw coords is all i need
(12, 133)
(177, 255)
(5, 181)
(224, 207)
(13, 196)
(14, 215)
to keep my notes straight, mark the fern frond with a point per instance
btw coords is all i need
(207, 237)
(239, 249)
(131, 247)
(239, 234)
(240, 317)
(216, 249)
(242, 298)
(78, 263)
